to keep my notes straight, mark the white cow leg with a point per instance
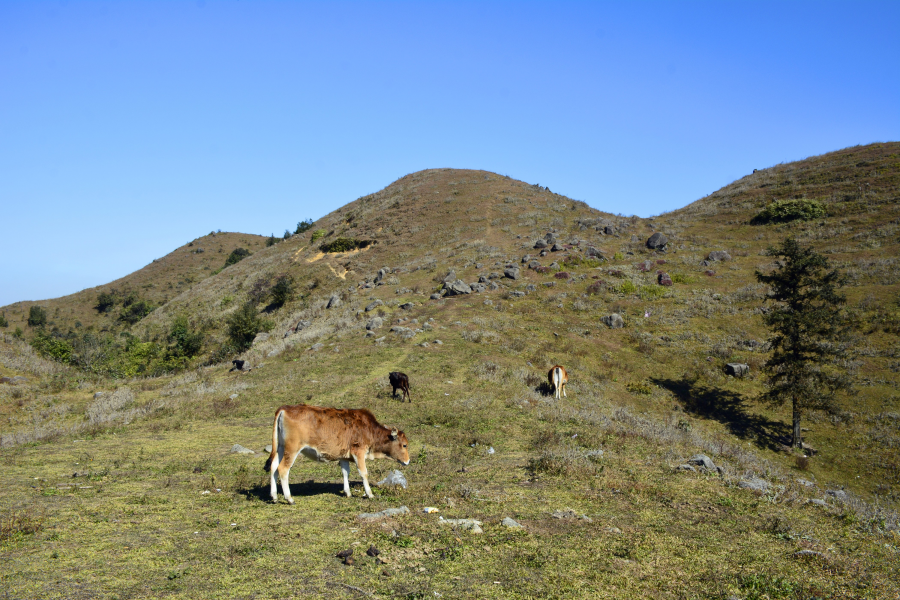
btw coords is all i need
(364, 473)
(345, 470)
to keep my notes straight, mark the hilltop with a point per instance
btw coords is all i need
(596, 478)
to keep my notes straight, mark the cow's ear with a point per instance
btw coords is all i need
(394, 433)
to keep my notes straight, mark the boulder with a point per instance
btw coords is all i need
(840, 495)
(557, 248)
(449, 277)
(435, 296)
(517, 294)
(376, 323)
(613, 321)
(511, 272)
(664, 279)
(260, 337)
(526, 258)
(755, 484)
(456, 288)
(737, 369)
(373, 305)
(407, 305)
(334, 301)
(511, 523)
(478, 287)
(718, 255)
(592, 252)
(609, 230)
(702, 461)
(540, 244)
(656, 241)
(534, 264)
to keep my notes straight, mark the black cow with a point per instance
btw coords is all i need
(400, 381)
(238, 365)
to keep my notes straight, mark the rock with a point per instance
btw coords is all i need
(493, 286)
(556, 248)
(457, 288)
(609, 230)
(472, 525)
(373, 305)
(511, 272)
(737, 369)
(718, 255)
(96, 394)
(395, 477)
(592, 252)
(511, 523)
(530, 287)
(613, 530)
(517, 294)
(375, 323)
(449, 277)
(435, 296)
(840, 495)
(754, 483)
(664, 279)
(613, 321)
(317, 347)
(334, 301)
(808, 554)
(238, 449)
(482, 279)
(553, 265)
(685, 468)
(534, 264)
(268, 449)
(260, 337)
(373, 551)
(819, 502)
(438, 343)
(381, 339)
(526, 258)
(478, 287)
(564, 514)
(19, 379)
(407, 305)
(702, 461)
(657, 240)
(388, 512)
(540, 244)
(805, 482)
(382, 273)
(645, 266)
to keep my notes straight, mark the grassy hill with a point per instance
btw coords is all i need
(105, 496)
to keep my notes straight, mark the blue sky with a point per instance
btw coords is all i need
(130, 128)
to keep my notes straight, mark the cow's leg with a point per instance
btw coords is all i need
(284, 471)
(360, 459)
(273, 487)
(564, 390)
(345, 469)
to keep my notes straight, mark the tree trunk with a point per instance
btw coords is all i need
(796, 442)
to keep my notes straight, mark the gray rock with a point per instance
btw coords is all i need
(530, 287)
(472, 525)
(819, 502)
(478, 287)
(381, 339)
(564, 514)
(512, 272)
(737, 369)
(534, 264)
(435, 296)
(805, 482)
(755, 484)
(388, 512)
(609, 230)
(334, 301)
(449, 277)
(98, 395)
(657, 240)
(438, 342)
(457, 288)
(238, 449)
(268, 449)
(592, 252)
(718, 255)
(540, 244)
(260, 337)
(373, 305)
(375, 323)
(613, 321)
(685, 468)
(493, 286)
(317, 347)
(407, 305)
(664, 279)
(613, 530)
(840, 495)
(556, 248)
(511, 523)
(702, 461)
(526, 258)
(553, 265)
(517, 294)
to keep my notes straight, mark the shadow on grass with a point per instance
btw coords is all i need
(730, 409)
(299, 490)
(545, 389)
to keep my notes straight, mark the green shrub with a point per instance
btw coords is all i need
(51, 347)
(236, 256)
(579, 261)
(244, 324)
(287, 234)
(318, 233)
(135, 309)
(271, 241)
(303, 226)
(3, 321)
(105, 302)
(651, 292)
(283, 290)
(639, 388)
(681, 278)
(342, 244)
(37, 316)
(627, 288)
(781, 211)
(18, 333)
(618, 256)
(185, 342)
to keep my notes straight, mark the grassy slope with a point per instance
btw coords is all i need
(158, 282)
(649, 396)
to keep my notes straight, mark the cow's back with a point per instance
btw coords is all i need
(333, 431)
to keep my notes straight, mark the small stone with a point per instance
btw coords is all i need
(334, 301)
(840, 495)
(685, 468)
(614, 530)
(755, 484)
(238, 449)
(805, 482)
(511, 523)
(374, 305)
(268, 449)
(718, 255)
(819, 502)
(702, 461)
(613, 321)
(317, 347)
(407, 305)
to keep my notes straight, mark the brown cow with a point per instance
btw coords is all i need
(399, 381)
(325, 434)
(558, 379)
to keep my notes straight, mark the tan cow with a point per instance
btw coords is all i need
(324, 434)
(558, 379)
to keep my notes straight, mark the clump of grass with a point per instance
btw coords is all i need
(19, 522)
(641, 388)
(781, 211)
(343, 244)
(317, 234)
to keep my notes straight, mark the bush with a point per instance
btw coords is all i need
(303, 226)
(105, 302)
(271, 241)
(50, 347)
(243, 325)
(3, 321)
(342, 244)
(781, 211)
(318, 233)
(287, 234)
(37, 316)
(236, 256)
(134, 310)
(283, 290)
(186, 342)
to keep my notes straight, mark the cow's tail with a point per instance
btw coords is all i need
(557, 377)
(277, 443)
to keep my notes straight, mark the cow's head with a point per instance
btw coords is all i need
(398, 447)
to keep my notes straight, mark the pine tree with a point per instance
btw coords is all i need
(811, 331)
